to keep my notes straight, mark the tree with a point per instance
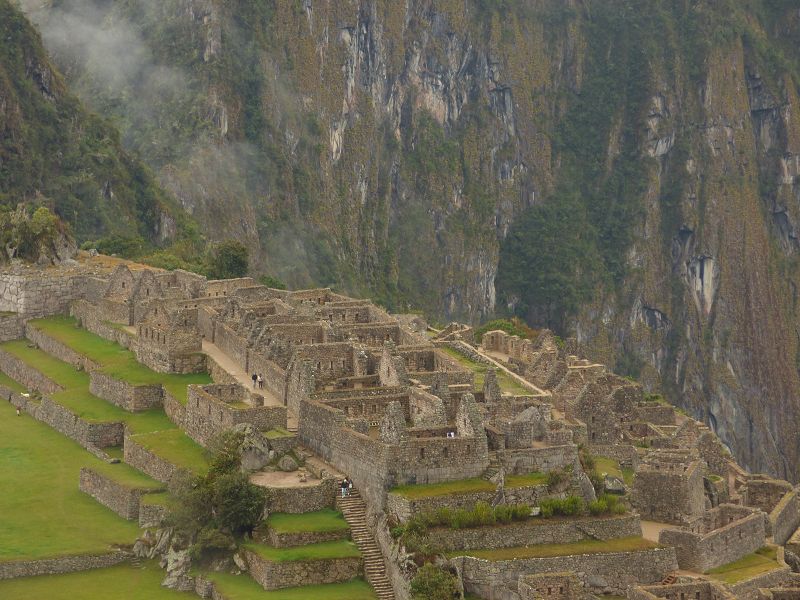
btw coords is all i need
(229, 259)
(433, 583)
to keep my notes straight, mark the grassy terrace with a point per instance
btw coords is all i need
(320, 551)
(629, 544)
(507, 384)
(127, 476)
(242, 587)
(176, 447)
(749, 566)
(465, 486)
(278, 432)
(76, 396)
(321, 521)
(43, 512)
(611, 466)
(114, 360)
(121, 582)
(11, 384)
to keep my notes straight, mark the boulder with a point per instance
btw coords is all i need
(614, 485)
(287, 463)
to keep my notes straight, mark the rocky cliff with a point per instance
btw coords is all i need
(624, 170)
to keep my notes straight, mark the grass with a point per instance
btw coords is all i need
(93, 409)
(157, 499)
(321, 521)
(518, 481)
(56, 370)
(176, 447)
(113, 359)
(761, 561)
(629, 544)
(610, 466)
(121, 582)
(43, 512)
(11, 384)
(127, 476)
(320, 551)
(431, 490)
(278, 432)
(507, 384)
(242, 587)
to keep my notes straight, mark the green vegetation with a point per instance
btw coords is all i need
(606, 504)
(11, 384)
(507, 384)
(242, 587)
(33, 236)
(461, 518)
(611, 467)
(114, 360)
(56, 370)
(320, 521)
(430, 490)
(629, 544)
(562, 507)
(121, 582)
(749, 566)
(530, 479)
(176, 447)
(320, 551)
(157, 499)
(228, 260)
(278, 432)
(513, 326)
(127, 476)
(433, 583)
(44, 513)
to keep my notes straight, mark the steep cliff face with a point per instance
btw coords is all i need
(621, 169)
(53, 152)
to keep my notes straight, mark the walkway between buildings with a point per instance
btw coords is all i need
(518, 378)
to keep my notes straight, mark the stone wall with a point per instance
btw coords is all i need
(702, 552)
(175, 410)
(132, 398)
(694, 590)
(34, 293)
(151, 515)
(748, 589)
(217, 373)
(26, 376)
(87, 434)
(534, 531)
(278, 575)
(12, 327)
(518, 461)
(63, 564)
(89, 318)
(624, 454)
(288, 540)
(141, 458)
(785, 517)
(615, 571)
(121, 499)
(302, 499)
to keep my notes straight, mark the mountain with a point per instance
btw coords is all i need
(55, 152)
(624, 171)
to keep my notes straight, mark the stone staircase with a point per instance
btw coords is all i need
(355, 513)
(493, 468)
(669, 579)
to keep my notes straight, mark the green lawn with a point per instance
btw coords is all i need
(158, 499)
(320, 551)
(321, 521)
(507, 384)
(176, 447)
(749, 566)
(278, 432)
(127, 476)
(11, 384)
(115, 360)
(93, 409)
(518, 481)
(43, 513)
(122, 582)
(431, 490)
(629, 544)
(242, 587)
(64, 374)
(611, 467)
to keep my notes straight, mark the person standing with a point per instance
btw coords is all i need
(254, 378)
(344, 486)
(260, 381)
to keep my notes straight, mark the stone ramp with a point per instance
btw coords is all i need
(355, 513)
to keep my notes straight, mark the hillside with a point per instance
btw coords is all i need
(620, 170)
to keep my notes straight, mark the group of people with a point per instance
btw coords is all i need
(258, 381)
(346, 486)
(451, 434)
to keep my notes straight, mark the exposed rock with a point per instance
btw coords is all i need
(287, 463)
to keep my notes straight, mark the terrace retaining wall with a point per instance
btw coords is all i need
(63, 564)
(87, 316)
(785, 518)
(141, 458)
(86, 433)
(25, 375)
(12, 327)
(132, 398)
(615, 570)
(151, 515)
(121, 499)
(302, 538)
(302, 499)
(277, 575)
(58, 350)
(534, 531)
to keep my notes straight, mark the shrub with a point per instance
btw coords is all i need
(556, 478)
(568, 507)
(607, 504)
(433, 583)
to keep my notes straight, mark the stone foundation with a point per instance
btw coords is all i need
(87, 434)
(121, 499)
(132, 398)
(63, 564)
(302, 499)
(278, 575)
(141, 458)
